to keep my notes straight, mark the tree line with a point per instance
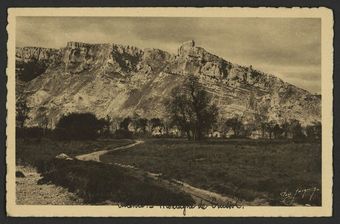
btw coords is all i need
(291, 129)
(190, 112)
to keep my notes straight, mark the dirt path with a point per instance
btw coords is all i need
(94, 156)
(29, 192)
(201, 196)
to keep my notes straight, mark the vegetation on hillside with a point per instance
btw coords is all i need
(190, 114)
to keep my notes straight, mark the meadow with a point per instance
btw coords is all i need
(251, 170)
(32, 151)
(261, 171)
(96, 183)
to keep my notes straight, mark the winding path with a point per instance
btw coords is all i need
(201, 196)
(94, 156)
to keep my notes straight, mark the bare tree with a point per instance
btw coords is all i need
(261, 117)
(190, 108)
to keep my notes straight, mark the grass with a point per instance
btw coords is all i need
(33, 151)
(96, 183)
(99, 183)
(247, 169)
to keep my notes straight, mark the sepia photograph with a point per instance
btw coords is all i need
(165, 113)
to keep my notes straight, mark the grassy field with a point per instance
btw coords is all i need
(246, 169)
(32, 151)
(99, 183)
(95, 183)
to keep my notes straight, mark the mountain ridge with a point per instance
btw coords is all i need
(119, 81)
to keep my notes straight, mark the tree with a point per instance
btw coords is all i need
(22, 111)
(79, 126)
(277, 130)
(261, 117)
(270, 127)
(285, 128)
(167, 125)
(313, 131)
(44, 123)
(106, 124)
(235, 124)
(154, 123)
(134, 122)
(180, 111)
(123, 130)
(125, 123)
(190, 108)
(296, 129)
(43, 119)
(141, 124)
(274, 130)
(317, 130)
(115, 123)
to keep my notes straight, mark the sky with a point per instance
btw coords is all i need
(289, 48)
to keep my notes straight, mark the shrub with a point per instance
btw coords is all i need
(78, 126)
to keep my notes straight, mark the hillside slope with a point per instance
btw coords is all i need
(119, 81)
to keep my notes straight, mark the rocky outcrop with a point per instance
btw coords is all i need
(63, 156)
(116, 80)
(33, 61)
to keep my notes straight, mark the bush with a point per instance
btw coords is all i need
(78, 126)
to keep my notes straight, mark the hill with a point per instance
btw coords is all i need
(120, 81)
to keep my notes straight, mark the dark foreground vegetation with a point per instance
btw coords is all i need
(94, 182)
(248, 169)
(34, 151)
(99, 183)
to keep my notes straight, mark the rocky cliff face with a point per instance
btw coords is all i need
(119, 81)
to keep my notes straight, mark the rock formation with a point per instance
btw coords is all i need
(119, 81)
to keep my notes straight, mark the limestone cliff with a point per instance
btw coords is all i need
(119, 81)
